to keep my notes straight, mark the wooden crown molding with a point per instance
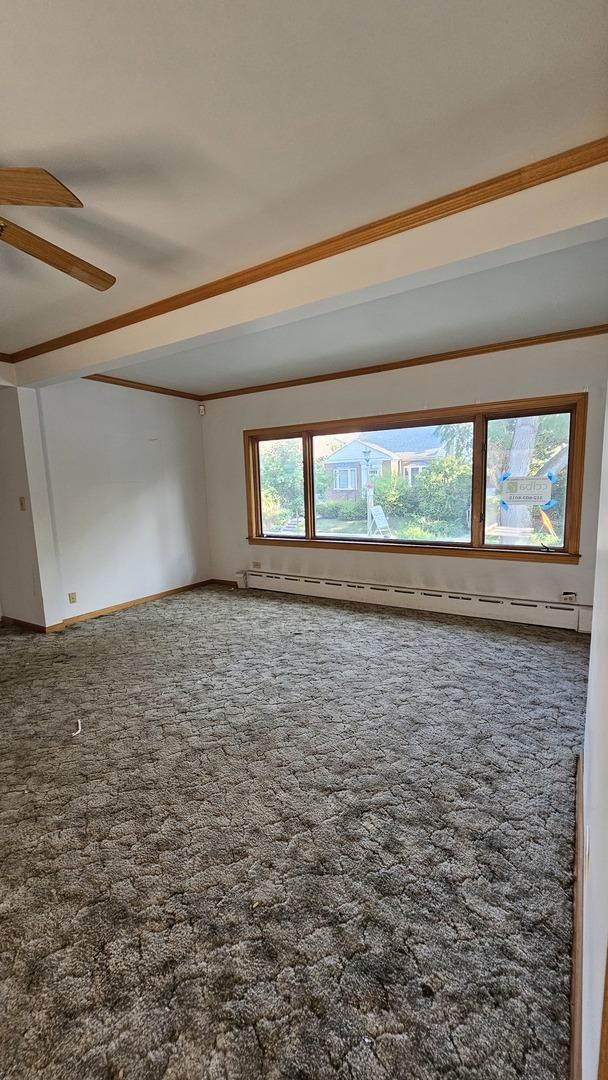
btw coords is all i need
(539, 172)
(372, 369)
(132, 385)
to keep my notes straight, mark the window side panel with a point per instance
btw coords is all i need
(281, 486)
(527, 471)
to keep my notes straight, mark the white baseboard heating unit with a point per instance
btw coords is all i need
(511, 609)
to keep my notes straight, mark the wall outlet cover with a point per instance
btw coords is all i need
(72, 597)
(22, 503)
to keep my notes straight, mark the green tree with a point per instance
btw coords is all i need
(322, 478)
(550, 436)
(456, 439)
(444, 491)
(281, 475)
(396, 496)
(525, 446)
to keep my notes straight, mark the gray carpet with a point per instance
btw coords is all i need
(295, 839)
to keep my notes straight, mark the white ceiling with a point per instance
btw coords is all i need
(556, 291)
(205, 136)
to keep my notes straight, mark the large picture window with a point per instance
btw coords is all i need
(498, 480)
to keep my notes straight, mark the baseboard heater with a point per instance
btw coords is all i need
(511, 609)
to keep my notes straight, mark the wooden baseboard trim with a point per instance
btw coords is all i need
(576, 984)
(114, 608)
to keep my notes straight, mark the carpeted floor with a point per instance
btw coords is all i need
(295, 839)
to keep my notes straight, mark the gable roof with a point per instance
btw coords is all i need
(404, 440)
(354, 449)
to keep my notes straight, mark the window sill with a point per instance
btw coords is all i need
(459, 551)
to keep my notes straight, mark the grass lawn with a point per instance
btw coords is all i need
(402, 529)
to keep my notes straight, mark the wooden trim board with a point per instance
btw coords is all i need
(371, 369)
(576, 984)
(130, 603)
(114, 608)
(511, 554)
(132, 385)
(528, 176)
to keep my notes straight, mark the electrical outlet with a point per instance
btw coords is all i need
(201, 409)
(22, 503)
(72, 597)
(256, 566)
(568, 598)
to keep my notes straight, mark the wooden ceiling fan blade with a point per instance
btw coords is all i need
(34, 187)
(54, 256)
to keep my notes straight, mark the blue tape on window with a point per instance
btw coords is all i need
(503, 476)
(503, 505)
(549, 505)
(552, 477)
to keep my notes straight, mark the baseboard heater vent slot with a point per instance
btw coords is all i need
(510, 609)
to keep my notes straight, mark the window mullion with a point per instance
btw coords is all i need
(309, 486)
(479, 471)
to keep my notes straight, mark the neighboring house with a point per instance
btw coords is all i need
(394, 452)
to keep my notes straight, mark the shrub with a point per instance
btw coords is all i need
(343, 511)
(444, 491)
(415, 532)
(395, 495)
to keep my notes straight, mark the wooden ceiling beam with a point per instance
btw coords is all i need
(498, 187)
(372, 369)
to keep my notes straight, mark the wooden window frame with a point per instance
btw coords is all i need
(478, 415)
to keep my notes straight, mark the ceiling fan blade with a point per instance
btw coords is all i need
(55, 256)
(34, 187)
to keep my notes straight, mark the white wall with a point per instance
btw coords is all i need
(42, 517)
(559, 368)
(20, 586)
(595, 932)
(8, 374)
(126, 492)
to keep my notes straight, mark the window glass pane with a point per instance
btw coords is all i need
(526, 480)
(282, 486)
(410, 483)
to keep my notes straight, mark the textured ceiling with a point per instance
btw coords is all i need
(204, 136)
(557, 291)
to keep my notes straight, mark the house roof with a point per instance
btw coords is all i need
(413, 440)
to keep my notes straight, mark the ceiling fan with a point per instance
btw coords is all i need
(36, 187)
